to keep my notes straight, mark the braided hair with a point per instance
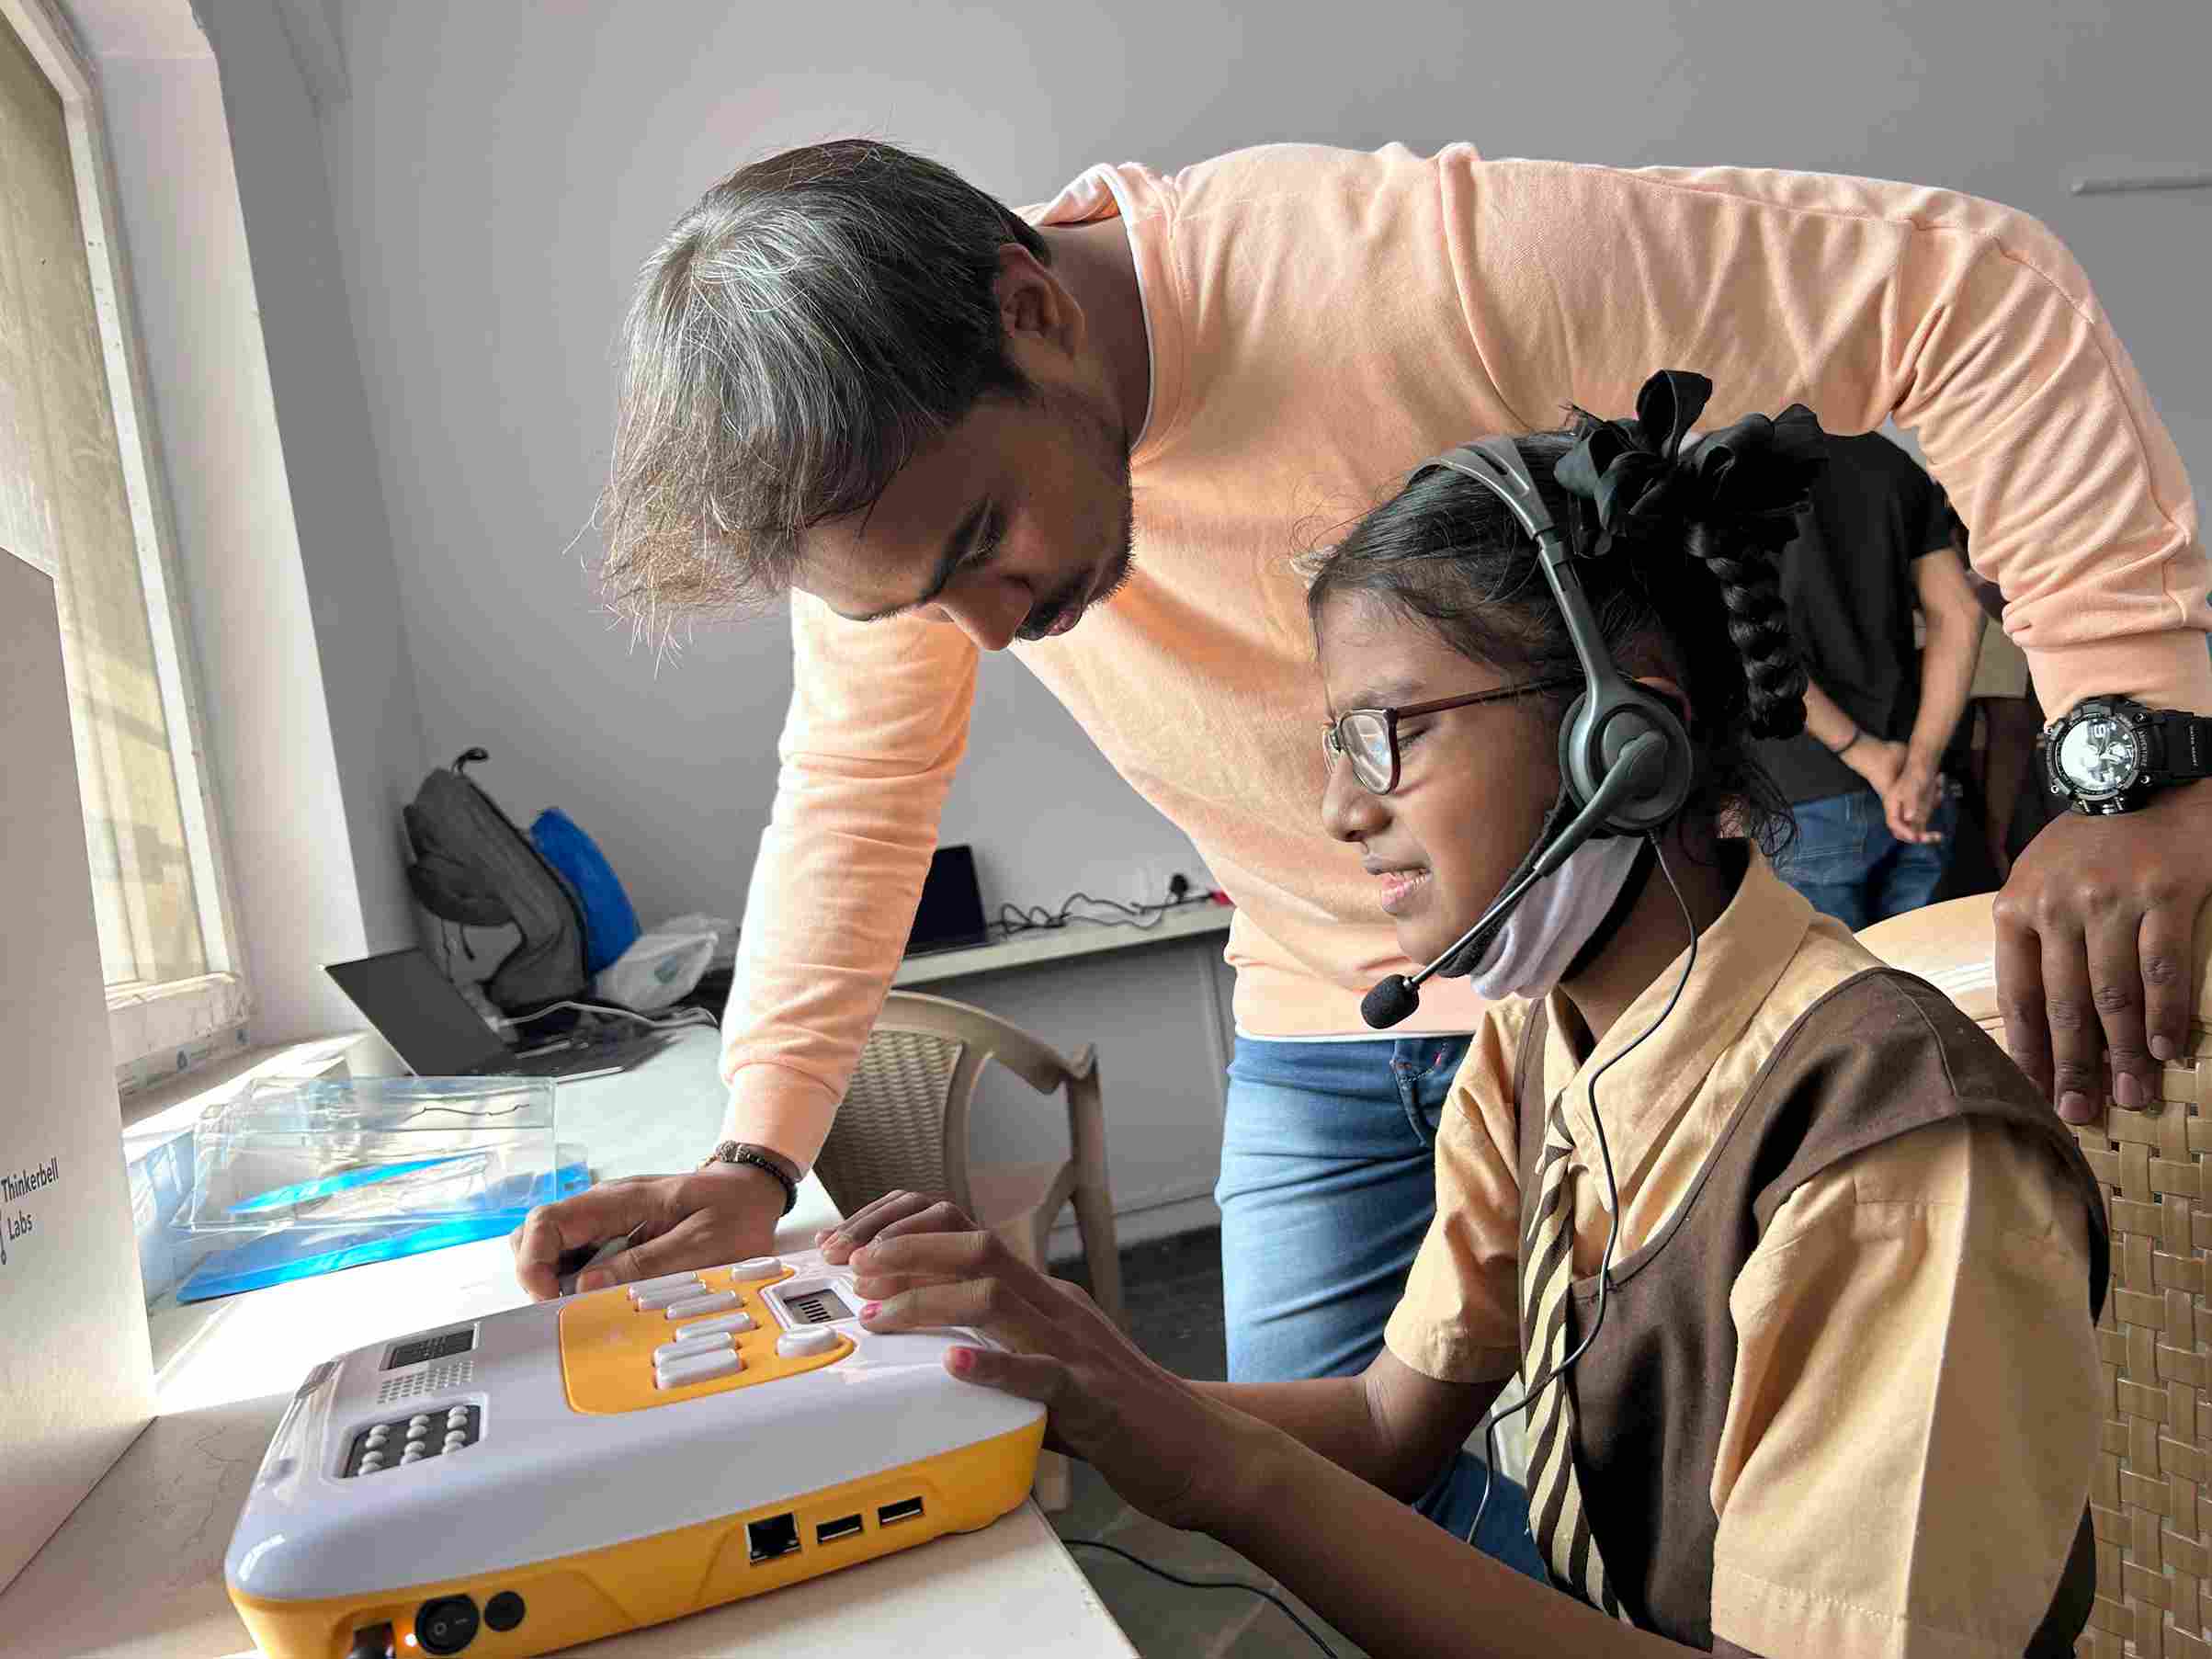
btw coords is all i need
(1698, 599)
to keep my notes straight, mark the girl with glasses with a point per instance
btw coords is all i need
(1817, 1265)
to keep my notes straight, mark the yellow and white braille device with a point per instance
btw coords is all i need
(552, 1473)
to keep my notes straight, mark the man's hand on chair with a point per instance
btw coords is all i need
(2094, 948)
(722, 1213)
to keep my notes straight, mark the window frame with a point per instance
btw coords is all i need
(155, 1030)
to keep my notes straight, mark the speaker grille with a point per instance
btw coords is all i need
(433, 1380)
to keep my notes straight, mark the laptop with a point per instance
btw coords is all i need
(431, 1027)
(950, 916)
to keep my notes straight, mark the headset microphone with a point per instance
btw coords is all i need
(1639, 766)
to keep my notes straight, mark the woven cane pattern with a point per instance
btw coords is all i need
(889, 1132)
(2147, 1499)
(2147, 1503)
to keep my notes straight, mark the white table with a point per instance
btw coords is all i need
(137, 1570)
(1033, 946)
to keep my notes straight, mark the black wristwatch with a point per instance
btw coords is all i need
(745, 1151)
(2110, 753)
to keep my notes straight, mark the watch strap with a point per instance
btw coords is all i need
(2185, 740)
(741, 1151)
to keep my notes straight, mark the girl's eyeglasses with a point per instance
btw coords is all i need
(1368, 737)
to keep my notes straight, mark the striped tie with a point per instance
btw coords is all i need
(1555, 1496)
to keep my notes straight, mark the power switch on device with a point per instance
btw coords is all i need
(446, 1625)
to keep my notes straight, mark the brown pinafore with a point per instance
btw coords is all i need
(1882, 1054)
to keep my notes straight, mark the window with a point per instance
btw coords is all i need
(80, 498)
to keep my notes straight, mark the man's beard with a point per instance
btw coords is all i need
(1109, 449)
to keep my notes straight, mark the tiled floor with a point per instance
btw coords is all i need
(1173, 1291)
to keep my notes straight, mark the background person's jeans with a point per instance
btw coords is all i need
(1328, 1185)
(1845, 861)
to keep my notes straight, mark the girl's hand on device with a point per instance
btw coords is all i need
(1166, 1448)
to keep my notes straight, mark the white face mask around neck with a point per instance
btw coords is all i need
(1550, 926)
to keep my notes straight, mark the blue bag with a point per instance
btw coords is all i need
(610, 925)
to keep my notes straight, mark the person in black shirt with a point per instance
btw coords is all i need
(1866, 782)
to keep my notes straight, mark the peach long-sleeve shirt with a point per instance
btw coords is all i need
(1320, 322)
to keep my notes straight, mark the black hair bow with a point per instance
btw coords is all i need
(1632, 482)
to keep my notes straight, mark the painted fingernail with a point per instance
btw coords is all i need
(2127, 1089)
(2162, 1047)
(962, 1360)
(868, 1309)
(2073, 1106)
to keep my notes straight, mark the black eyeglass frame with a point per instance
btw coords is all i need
(1334, 744)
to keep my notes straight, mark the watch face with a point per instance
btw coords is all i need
(2098, 756)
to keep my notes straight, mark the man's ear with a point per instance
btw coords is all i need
(1034, 308)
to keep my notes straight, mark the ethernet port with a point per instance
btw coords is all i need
(764, 1540)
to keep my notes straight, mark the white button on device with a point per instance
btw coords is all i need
(738, 1320)
(714, 1301)
(416, 1436)
(420, 1420)
(459, 1413)
(800, 1345)
(454, 1440)
(687, 1344)
(413, 1454)
(642, 1286)
(700, 1368)
(652, 1302)
(377, 1437)
(372, 1462)
(755, 1267)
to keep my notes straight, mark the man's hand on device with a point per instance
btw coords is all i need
(722, 1213)
(2094, 931)
(1158, 1441)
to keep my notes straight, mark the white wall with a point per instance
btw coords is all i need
(345, 540)
(282, 550)
(500, 169)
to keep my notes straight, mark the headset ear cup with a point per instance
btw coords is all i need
(1599, 726)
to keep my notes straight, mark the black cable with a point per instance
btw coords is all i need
(1604, 1266)
(1027, 918)
(1205, 1583)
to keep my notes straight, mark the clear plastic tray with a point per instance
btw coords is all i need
(344, 1154)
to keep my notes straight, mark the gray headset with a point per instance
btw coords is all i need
(1613, 711)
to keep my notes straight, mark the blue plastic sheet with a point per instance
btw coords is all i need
(293, 1253)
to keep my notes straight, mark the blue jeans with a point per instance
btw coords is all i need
(1328, 1185)
(1848, 865)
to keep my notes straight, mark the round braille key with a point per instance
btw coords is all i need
(755, 1267)
(413, 1454)
(456, 1439)
(378, 1437)
(420, 1420)
(372, 1462)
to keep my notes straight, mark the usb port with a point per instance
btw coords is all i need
(776, 1536)
(845, 1526)
(903, 1510)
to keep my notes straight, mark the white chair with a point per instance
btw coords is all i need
(903, 1124)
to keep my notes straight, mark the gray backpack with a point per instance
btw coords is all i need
(472, 866)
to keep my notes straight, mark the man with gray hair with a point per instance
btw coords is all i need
(1095, 434)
